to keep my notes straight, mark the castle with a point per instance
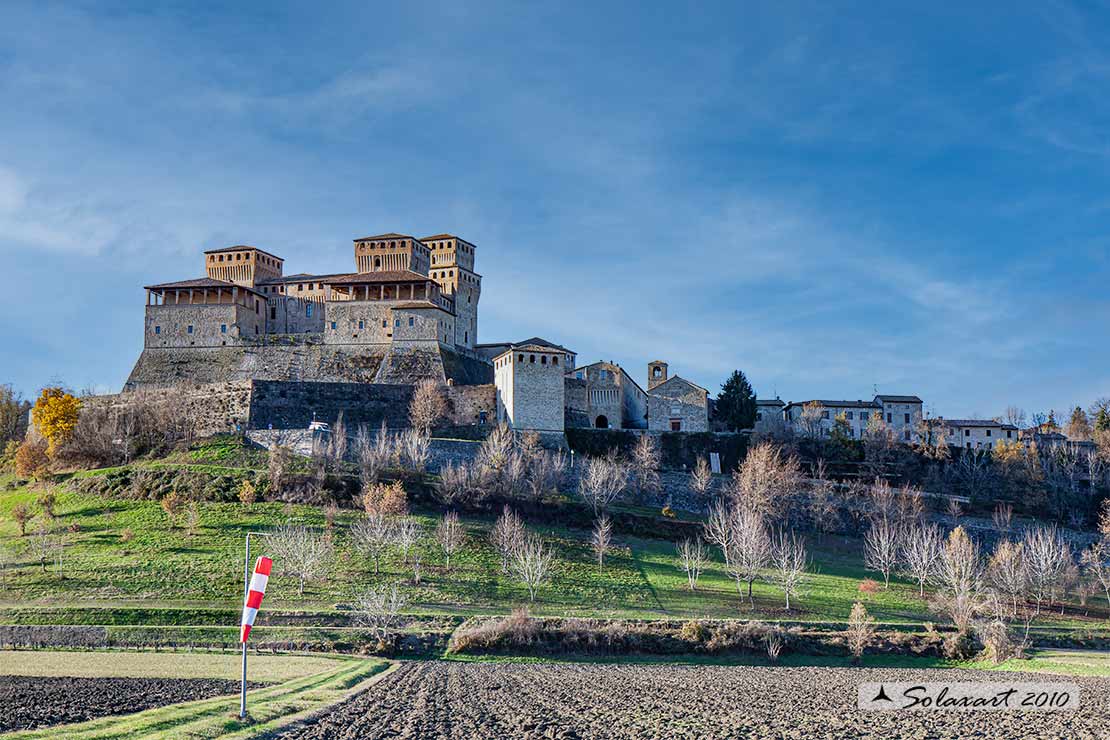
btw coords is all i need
(349, 342)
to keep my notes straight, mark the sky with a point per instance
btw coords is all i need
(833, 197)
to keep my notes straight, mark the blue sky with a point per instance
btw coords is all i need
(830, 196)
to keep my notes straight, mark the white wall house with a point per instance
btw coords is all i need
(977, 434)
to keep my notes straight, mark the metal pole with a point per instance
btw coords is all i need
(246, 592)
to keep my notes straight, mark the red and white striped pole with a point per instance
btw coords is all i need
(254, 587)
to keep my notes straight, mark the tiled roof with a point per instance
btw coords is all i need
(390, 235)
(437, 237)
(899, 399)
(204, 282)
(240, 248)
(769, 402)
(671, 380)
(300, 277)
(382, 276)
(418, 304)
(858, 404)
(983, 423)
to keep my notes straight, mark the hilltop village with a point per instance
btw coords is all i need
(254, 346)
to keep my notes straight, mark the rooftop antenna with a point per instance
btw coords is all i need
(875, 388)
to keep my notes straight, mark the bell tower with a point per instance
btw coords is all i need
(657, 373)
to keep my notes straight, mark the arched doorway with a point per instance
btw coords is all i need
(602, 422)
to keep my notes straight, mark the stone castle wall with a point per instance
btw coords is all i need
(213, 408)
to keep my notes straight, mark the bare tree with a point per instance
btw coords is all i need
(718, 526)
(379, 608)
(280, 460)
(789, 563)
(455, 483)
(507, 536)
(1007, 572)
(810, 423)
(1104, 520)
(427, 407)
(1015, 416)
(749, 548)
(1047, 558)
(861, 630)
(881, 547)
(1003, 517)
(601, 538)
(374, 453)
(544, 470)
(602, 482)
(823, 502)
(22, 514)
(882, 499)
(414, 446)
(302, 553)
(1096, 561)
(693, 555)
(373, 535)
(646, 460)
(450, 536)
(406, 533)
(42, 543)
(921, 551)
(532, 563)
(766, 480)
(960, 574)
(701, 479)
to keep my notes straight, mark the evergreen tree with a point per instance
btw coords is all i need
(736, 403)
(1079, 426)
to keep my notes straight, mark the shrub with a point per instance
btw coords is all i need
(389, 499)
(693, 631)
(868, 587)
(32, 460)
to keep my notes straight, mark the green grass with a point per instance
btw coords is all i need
(269, 707)
(163, 567)
(134, 664)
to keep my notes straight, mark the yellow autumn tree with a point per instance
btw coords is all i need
(55, 415)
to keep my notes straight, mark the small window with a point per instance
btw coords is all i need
(360, 324)
(543, 359)
(849, 416)
(907, 418)
(1009, 434)
(889, 417)
(520, 358)
(333, 326)
(412, 321)
(555, 360)
(988, 432)
(223, 328)
(759, 416)
(157, 330)
(824, 414)
(190, 329)
(308, 311)
(532, 359)
(384, 323)
(967, 432)
(273, 313)
(396, 323)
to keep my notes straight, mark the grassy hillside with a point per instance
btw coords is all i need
(124, 552)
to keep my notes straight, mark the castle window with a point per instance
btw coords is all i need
(360, 324)
(190, 329)
(396, 323)
(384, 323)
(520, 358)
(308, 311)
(157, 330)
(466, 337)
(333, 326)
(273, 313)
(532, 359)
(411, 321)
(223, 328)
(555, 360)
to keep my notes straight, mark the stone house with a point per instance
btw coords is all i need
(604, 396)
(674, 403)
(769, 415)
(977, 434)
(901, 414)
(529, 377)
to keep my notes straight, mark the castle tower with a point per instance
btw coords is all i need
(657, 373)
(391, 253)
(452, 266)
(242, 265)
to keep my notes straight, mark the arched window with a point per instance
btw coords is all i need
(520, 358)
(377, 262)
(543, 359)
(555, 360)
(532, 359)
